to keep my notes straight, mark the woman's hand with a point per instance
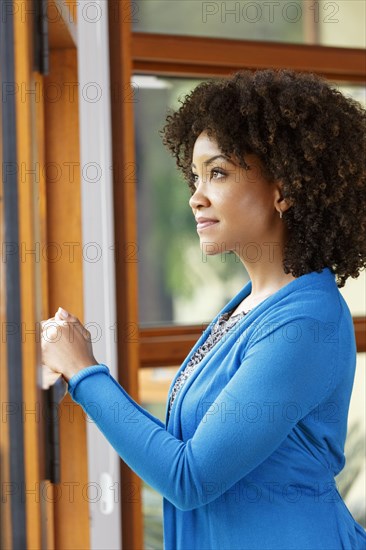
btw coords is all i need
(66, 346)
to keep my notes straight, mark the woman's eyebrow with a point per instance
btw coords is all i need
(208, 161)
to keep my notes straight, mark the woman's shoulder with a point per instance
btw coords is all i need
(311, 304)
(314, 295)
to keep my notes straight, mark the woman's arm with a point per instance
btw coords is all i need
(277, 369)
(130, 407)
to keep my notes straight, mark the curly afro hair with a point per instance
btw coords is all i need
(309, 137)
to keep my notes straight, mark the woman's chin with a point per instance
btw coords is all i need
(210, 248)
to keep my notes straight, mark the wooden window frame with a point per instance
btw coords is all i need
(167, 346)
(192, 56)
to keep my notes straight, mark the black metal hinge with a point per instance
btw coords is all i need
(41, 46)
(51, 413)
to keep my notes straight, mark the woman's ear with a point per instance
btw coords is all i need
(281, 204)
(284, 204)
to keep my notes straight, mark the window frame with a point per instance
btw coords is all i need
(192, 56)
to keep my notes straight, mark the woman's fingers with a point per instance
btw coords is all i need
(63, 314)
(49, 330)
(66, 345)
(49, 377)
(74, 321)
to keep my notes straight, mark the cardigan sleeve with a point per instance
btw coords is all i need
(282, 364)
(93, 407)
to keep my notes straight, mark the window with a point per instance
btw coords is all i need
(177, 283)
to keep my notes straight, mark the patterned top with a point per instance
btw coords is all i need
(223, 324)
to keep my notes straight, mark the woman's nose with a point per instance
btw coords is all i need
(199, 197)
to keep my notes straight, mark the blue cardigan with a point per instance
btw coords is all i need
(248, 456)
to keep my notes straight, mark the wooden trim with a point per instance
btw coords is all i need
(166, 348)
(207, 57)
(360, 333)
(124, 190)
(46, 488)
(5, 508)
(61, 25)
(72, 6)
(65, 283)
(193, 71)
(29, 284)
(169, 346)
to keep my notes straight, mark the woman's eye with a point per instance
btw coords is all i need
(218, 173)
(194, 178)
(215, 173)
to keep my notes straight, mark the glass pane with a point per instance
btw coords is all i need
(153, 391)
(332, 23)
(235, 20)
(341, 23)
(353, 90)
(177, 283)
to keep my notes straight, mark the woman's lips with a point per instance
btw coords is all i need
(203, 224)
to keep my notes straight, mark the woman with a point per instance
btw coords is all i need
(256, 417)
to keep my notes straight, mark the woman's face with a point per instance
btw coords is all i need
(234, 207)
